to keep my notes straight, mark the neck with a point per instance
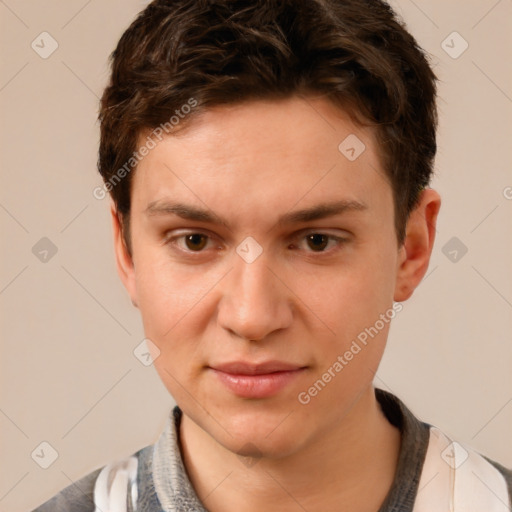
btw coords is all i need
(353, 465)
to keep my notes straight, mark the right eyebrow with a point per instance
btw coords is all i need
(184, 211)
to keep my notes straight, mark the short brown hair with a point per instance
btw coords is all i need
(356, 53)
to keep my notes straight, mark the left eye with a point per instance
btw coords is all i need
(319, 242)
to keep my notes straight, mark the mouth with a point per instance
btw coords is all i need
(263, 380)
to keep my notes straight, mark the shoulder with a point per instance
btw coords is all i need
(505, 472)
(435, 472)
(77, 497)
(456, 473)
(96, 491)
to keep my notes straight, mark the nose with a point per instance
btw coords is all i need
(254, 302)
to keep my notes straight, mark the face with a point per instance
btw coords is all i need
(261, 257)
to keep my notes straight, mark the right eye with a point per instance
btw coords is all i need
(195, 241)
(190, 241)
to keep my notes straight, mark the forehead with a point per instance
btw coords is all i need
(272, 153)
(232, 131)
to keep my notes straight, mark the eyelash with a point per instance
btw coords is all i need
(338, 241)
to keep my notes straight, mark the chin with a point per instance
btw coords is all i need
(260, 435)
(253, 447)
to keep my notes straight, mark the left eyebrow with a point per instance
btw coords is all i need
(322, 211)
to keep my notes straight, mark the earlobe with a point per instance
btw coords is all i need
(414, 255)
(124, 261)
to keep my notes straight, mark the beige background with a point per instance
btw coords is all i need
(68, 373)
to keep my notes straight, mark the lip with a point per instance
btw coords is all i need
(248, 380)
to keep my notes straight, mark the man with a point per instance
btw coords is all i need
(269, 164)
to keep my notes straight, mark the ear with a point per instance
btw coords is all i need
(124, 261)
(414, 255)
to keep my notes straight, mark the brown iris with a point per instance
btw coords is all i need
(196, 241)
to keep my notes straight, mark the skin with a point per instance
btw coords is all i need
(249, 165)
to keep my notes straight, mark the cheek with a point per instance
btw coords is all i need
(173, 309)
(350, 300)
(349, 297)
(176, 302)
(163, 297)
